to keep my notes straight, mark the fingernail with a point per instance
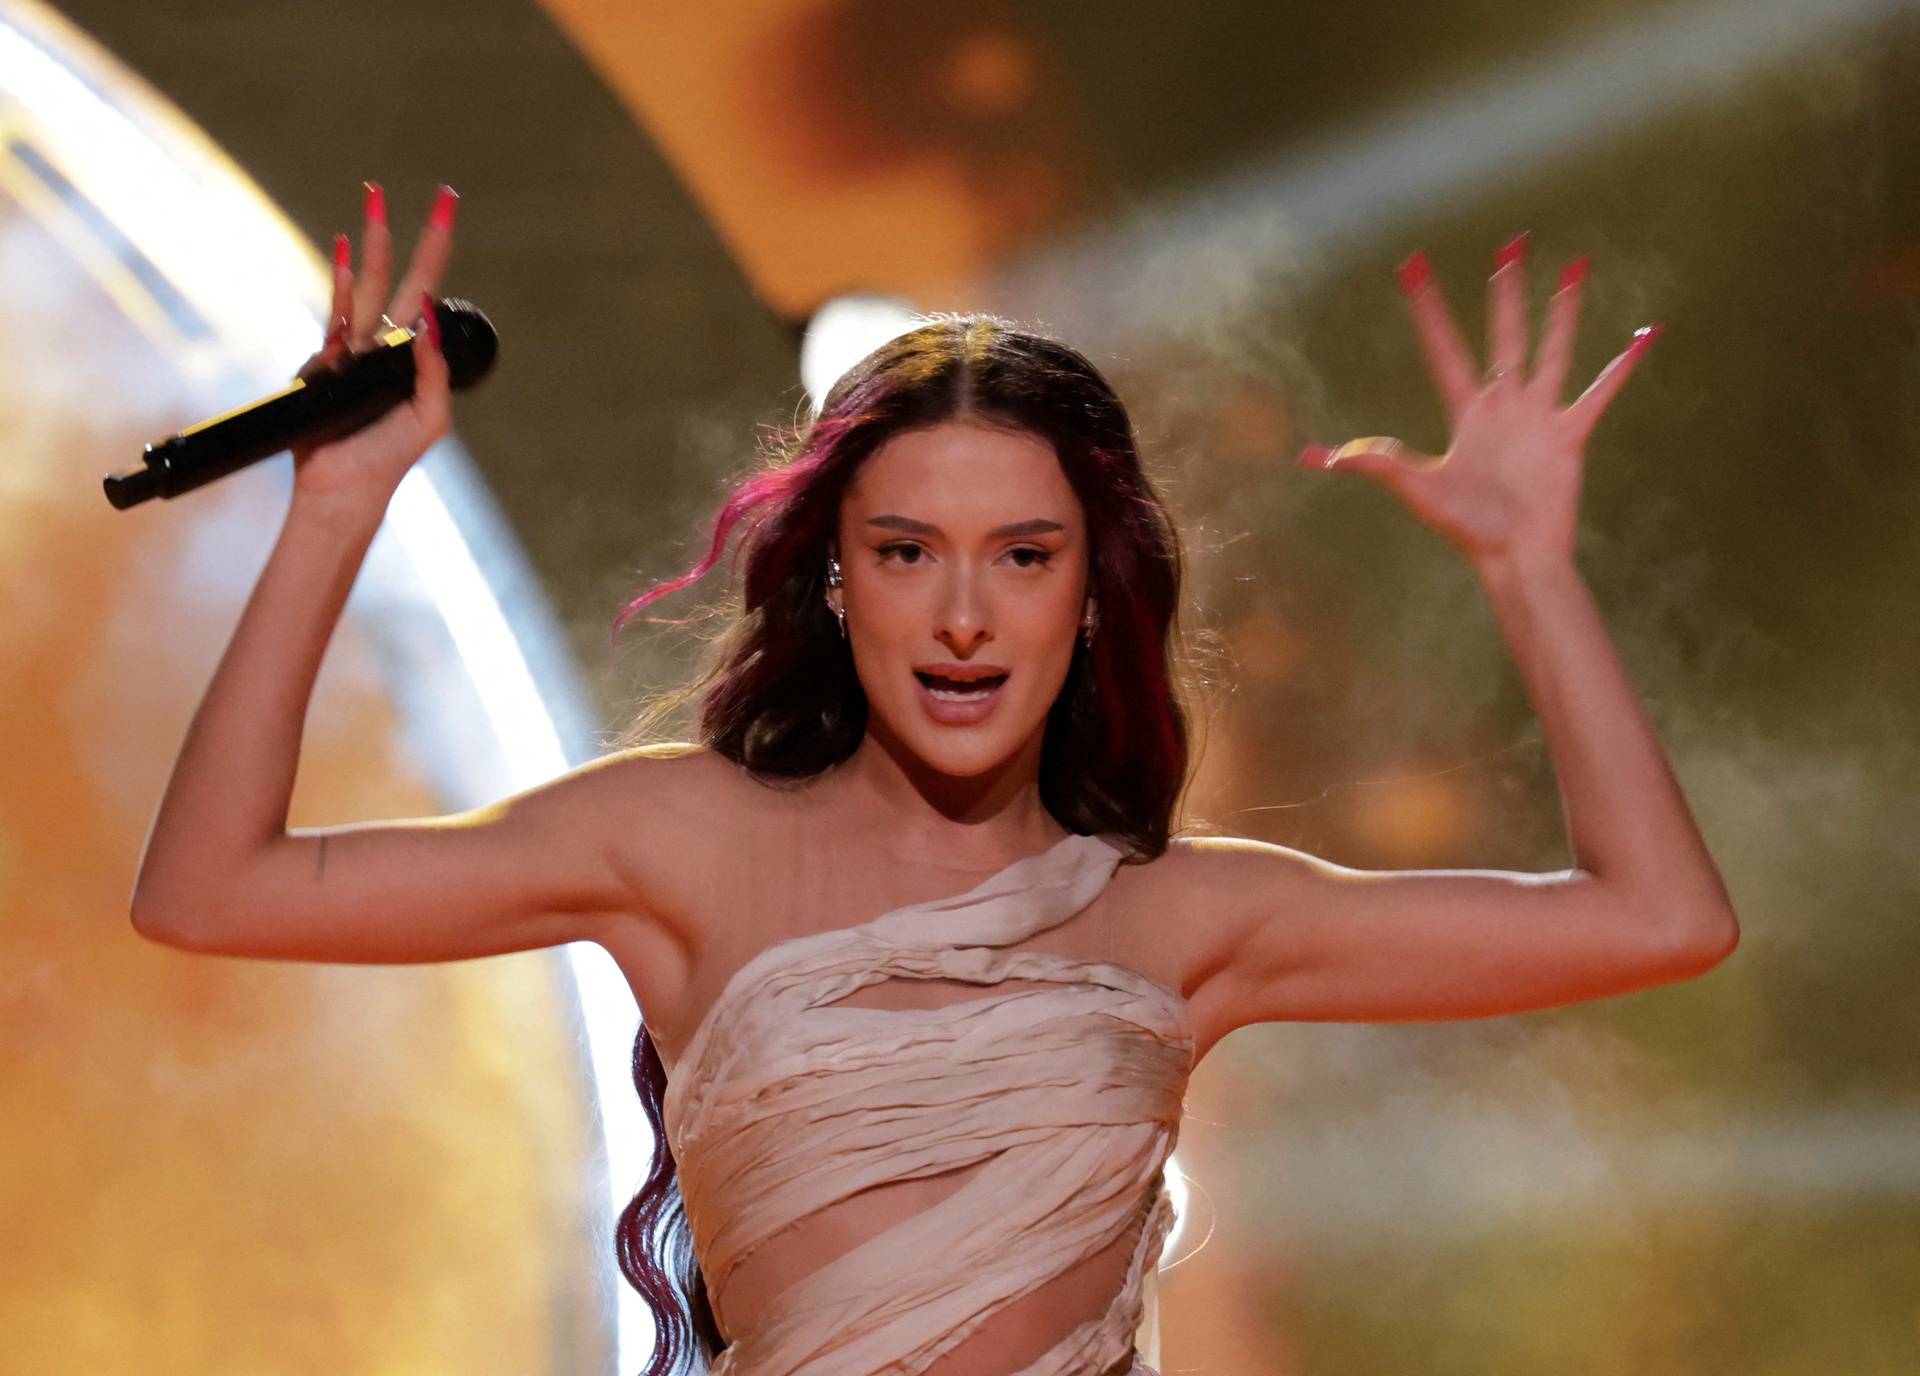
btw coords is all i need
(1514, 251)
(1314, 456)
(342, 255)
(443, 207)
(1575, 274)
(1644, 336)
(376, 203)
(432, 318)
(1415, 273)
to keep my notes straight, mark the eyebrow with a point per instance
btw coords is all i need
(1039, 525)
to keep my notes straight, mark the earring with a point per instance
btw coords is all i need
(834, 581)
(1091, 622)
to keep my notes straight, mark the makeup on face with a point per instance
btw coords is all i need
(960, 694)
(966, 588)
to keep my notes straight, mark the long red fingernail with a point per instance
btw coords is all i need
(432, 318)
(1416, 272)
(1575, 274)
(1513, 251)
(443, 207)
(1644, 336)
(342, 255)
(376, 203)
(1314, 456)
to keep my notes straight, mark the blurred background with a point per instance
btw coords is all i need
(245, 1166)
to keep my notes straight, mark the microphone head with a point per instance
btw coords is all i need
(468, 340)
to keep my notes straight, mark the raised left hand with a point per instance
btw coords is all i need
(1509, 484)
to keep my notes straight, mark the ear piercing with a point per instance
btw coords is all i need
(834, 581)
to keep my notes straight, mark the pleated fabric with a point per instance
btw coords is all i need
(1066, 1097)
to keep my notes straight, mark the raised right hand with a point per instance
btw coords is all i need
(366, 466)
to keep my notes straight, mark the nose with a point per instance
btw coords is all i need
(964, 619)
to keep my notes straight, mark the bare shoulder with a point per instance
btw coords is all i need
(665, 812)
(1189, 911)
(1170, 909)
(1229, 883)
(673, 816)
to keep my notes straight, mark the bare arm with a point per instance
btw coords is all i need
(221, 872)
(1627, 820)
(1643, 905)
(227, 797)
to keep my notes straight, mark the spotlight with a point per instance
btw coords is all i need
(845, 330)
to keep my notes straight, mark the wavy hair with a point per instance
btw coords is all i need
(777, 689)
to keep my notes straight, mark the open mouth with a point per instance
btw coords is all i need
(959, 690)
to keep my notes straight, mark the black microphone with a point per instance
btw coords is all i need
(319, 409)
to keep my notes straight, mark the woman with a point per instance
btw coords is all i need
(919, 1012)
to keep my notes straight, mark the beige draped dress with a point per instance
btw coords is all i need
(1061, 1100)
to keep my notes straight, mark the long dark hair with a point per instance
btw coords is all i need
(779, 696)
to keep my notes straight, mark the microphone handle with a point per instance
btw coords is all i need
(320, 409)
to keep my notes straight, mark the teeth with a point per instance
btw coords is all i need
(974, 688)
(949, 695)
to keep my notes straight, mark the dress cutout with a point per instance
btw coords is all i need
(1065, 1097)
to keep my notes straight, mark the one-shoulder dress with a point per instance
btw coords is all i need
(1064, 1096)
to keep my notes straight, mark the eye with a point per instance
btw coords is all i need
(1038, 556)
